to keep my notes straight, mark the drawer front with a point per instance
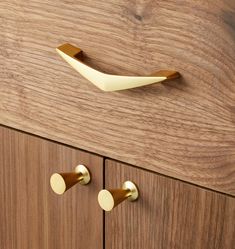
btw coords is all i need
(31, 215)
(169, 214)
(184, 128)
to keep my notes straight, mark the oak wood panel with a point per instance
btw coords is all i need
(184, 128)
(31, 214)
(169, 214)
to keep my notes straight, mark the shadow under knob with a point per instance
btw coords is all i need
(61, 182)
(108, 199)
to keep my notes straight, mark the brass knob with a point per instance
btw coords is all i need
(108, 199)
(61, 182)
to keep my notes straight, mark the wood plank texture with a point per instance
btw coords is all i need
(184, 128)
(169, 214)
(31, 214)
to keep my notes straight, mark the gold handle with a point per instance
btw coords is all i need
(108, 199)
(108, 82)
(61, 182)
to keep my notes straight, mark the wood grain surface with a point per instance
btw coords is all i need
(169, 214)
(184, 128)
(31, 214)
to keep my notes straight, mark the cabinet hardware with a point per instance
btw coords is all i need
(108, 199)
(108, 82)
(61, 182)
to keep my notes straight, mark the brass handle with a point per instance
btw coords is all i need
(108, 199)
(61, 182)
(108, 82)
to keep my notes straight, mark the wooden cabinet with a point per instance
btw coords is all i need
(169, 214)
(31, 215)
(178, 136)
(183, 128)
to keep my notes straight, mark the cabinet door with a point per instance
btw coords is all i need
(169, 214)
(31, 214)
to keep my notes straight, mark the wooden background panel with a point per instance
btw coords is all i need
(31, 214)
(169, 214)
(184, 128)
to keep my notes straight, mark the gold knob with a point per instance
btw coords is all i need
(61, 182)
(108, 199)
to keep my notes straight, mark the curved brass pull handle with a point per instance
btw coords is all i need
(61, 182)
(108, 199)
(108, 82)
